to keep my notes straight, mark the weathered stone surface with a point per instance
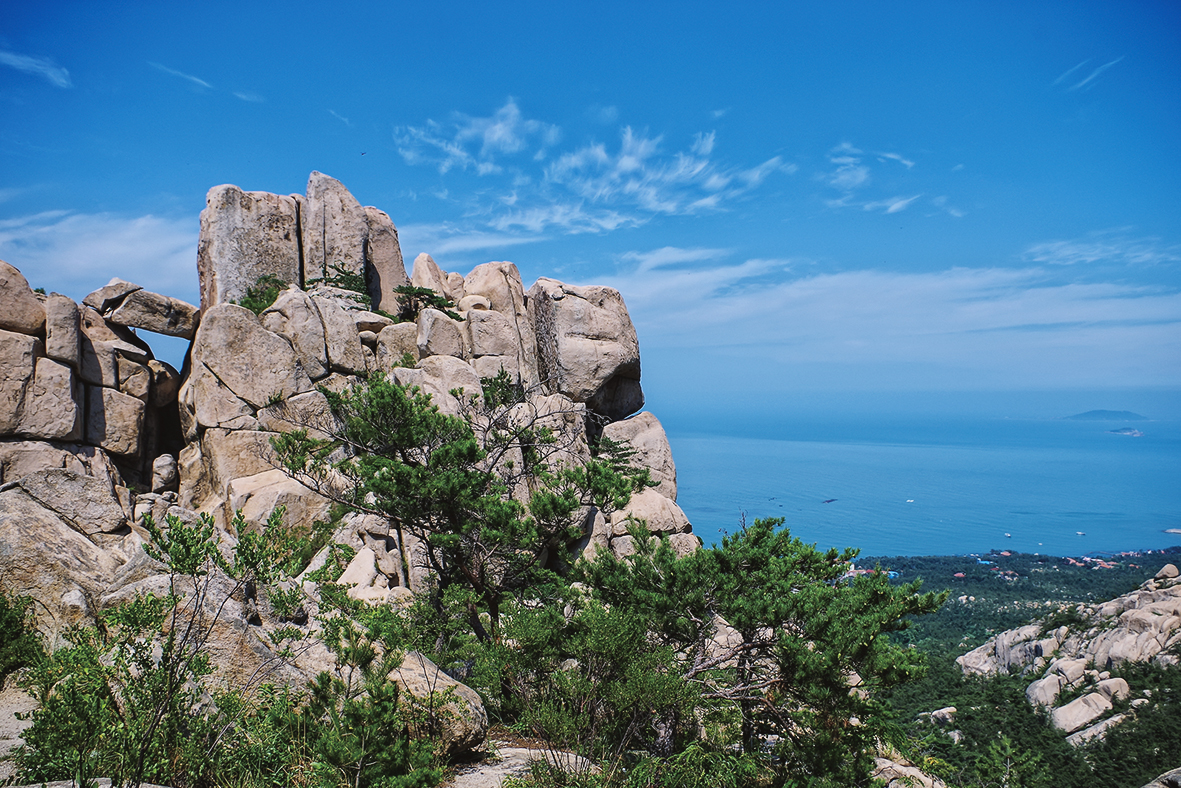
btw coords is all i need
(386, 268)
(18, 360)
(1044, 691)
(340, 334)
(1097, 731)
(110, 295)
(439, 335)
(492, 334)
(500, 283)
(365, 320)
(646, 435)
(20, 311)
(245, 236)
(165, 383)
(1014, 647)
(294, 316)
(51, 407)
(100, 363)
(258, 495)
(897, 772)
(394, 342)
(477, 302)
(122, 339)
(1113, 689)
(87, 504)
(490, 367)
(1080, 712)
(334, 228)
(1170, 779)
(587, 346)
(464, 720)
(41, 555)
(165, 474)
(221, 456)
(1167, 572)
(134, 379)
(215, 405)
(426, 273)
(258, 366)
(114, 420)
(684, 544)
(661, 514)
(157, 313)
(62, 330)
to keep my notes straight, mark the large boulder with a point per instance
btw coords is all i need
(245, 236)
(342, 339)
(259, 367)
(587, 347)
(462, 719)
(1080, 712)
(62, 330)
(18, 360)
(439, 376)
(644, 433)
(426, 273)
(386, 268)
(114, 420)
(20, 311)
(52, 409)
(88, 504)
(294, 316)
(660, 514)
(500, 284)
(335, 229)
(439, 335)
(157, 313)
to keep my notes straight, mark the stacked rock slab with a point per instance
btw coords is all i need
(77, 375)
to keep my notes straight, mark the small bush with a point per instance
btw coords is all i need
(263, 293)
(19, 644)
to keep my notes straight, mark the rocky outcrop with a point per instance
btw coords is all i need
(1167, 780)
(1141, 626)
(96, 433)
(587, 347)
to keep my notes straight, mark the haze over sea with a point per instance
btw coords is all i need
(941, 485)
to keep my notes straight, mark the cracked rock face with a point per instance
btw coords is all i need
(587, 347)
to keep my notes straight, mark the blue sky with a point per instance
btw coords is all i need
(804, 205)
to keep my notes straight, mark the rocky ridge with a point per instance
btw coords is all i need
(95, 432)
(1075, 659)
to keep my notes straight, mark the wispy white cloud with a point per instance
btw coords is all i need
(1091, 77)
(960, 326)
(1115, 247)
(76, 253)
(475, 143)
(669, 256)
(942, 204)
(601, 114)
(253, 98)
(439, 240)
(40, 66)
(907, 163)
(593, 188)
(891, 205)
(639, 174)
(719, 113)
(197, 81)
(1065, 75)
(340, 117)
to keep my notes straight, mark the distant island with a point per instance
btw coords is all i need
(1108, 415)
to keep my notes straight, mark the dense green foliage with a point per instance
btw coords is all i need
(412, 300)
(262, 293)
(19, 645)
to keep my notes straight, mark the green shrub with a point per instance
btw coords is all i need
(19, 643)
(263, 293)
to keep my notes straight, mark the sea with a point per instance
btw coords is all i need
(942, 486)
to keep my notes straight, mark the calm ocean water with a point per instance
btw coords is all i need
(942, 487)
